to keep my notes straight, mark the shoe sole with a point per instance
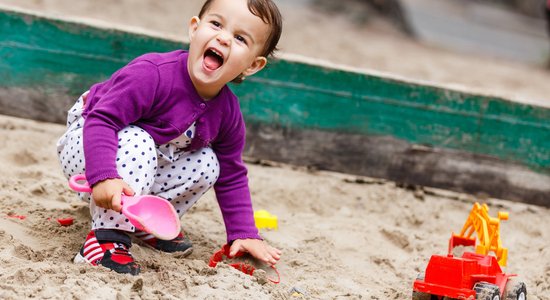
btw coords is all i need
(182, 254)
(185, 253)
(79, 259)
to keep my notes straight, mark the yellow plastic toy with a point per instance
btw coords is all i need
(487, 230)
(264, 219)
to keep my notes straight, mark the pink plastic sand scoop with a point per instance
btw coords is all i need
(151, 214)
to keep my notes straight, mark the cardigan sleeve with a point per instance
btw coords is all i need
(124, 98)
(232, 190)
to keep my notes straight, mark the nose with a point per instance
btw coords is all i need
(224, 38)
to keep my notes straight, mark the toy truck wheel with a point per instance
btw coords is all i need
(421, 296)
(486, 291)
(515, 290)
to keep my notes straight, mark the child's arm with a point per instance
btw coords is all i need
(111, 106)
(233, 194)
(232, 191)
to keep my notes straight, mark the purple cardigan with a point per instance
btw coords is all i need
(155, 92)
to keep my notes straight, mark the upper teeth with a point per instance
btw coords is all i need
(216, 52)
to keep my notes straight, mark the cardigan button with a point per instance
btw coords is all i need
(202, 105)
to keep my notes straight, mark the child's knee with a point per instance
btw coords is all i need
(135, 142)
(207, 167)
(136, 158)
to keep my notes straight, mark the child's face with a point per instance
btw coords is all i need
(226, 43)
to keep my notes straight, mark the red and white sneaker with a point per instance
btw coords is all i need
(181, 244)
(108, 248)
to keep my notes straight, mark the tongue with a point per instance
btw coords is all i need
(211, 62)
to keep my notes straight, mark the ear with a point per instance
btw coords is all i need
(257, 65)
(193, 25)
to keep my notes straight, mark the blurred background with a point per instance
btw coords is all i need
(498, 47)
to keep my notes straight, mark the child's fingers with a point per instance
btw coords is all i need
(103, 204)
(258, 249)
(270, 259)
(102, 201)
(275, 250)
(236, 247)
(275, 253)
(127, 190)
(116, 203)
(265, 254)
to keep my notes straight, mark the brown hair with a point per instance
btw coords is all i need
(269, 13)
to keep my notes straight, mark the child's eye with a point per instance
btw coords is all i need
(216, 23)
(240, 38)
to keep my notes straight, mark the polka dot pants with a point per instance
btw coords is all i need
(167, 171)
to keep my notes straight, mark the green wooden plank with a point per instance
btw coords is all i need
(48, 54)
(336, 100)
(38, 51)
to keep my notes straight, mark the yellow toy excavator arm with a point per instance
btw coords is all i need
(487, 230)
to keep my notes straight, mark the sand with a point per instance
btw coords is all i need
(343, 237)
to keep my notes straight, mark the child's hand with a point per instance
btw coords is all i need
(107, 193)
(257, 248)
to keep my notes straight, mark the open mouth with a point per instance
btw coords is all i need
(213, 59)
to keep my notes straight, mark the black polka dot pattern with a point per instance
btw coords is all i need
(167, 171)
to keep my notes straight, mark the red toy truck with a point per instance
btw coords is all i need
(471, 276)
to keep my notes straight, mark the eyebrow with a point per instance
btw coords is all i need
(241, 31)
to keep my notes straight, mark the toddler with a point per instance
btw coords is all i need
(166, 124)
